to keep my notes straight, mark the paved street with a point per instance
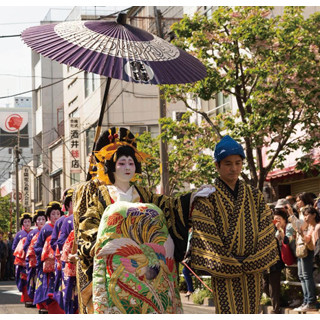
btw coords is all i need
(10, 302)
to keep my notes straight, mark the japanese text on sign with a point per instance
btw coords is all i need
(26, 201)
(75, 145)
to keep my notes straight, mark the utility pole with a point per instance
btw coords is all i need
(17, 159)
(164, 159)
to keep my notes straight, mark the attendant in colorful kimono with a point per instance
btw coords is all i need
(233, 235)
(65, 240)
(20, 256)
(39, 219)
(45, 263)
(57, 296)
(67, 247)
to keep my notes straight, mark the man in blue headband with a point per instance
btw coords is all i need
(233, 235)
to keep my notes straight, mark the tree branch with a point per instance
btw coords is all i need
(204, 115)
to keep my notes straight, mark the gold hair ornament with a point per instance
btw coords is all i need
(109, 150)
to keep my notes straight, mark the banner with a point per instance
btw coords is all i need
(10, 123)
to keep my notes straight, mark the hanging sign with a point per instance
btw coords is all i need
(75, 145)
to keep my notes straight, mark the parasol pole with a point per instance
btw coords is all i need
(98, 130)
(121, 19)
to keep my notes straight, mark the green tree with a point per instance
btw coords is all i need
(7, 214)
(271, 66)
(188, 161)
(150, 176)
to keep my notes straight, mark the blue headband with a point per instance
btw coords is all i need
(227, 147)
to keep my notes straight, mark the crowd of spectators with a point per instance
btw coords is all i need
(297, 225)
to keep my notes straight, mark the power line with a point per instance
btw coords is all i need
(41, 87)
(34, 77)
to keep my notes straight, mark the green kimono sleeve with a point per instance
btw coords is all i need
(177, 213)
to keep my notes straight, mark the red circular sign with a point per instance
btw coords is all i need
(13, 122)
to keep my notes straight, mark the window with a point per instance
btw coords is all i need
(139, 129)
(73, 101)
(39, 98)
(90, 83)
(90, 133)
(56, 190)
(74, 178)
(60, 121)
(72, 83)
(178, 116)
(74, 113)
(223, 103)
(39, 187)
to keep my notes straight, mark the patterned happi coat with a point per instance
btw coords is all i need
(90, 200)
(234, 241)
(134, 269)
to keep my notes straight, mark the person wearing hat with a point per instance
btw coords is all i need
(19, 253)
(119, 161)
(45, 263)
(39, 219)
(233, 235)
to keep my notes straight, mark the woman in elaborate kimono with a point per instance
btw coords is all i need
(39, 219)
(91, 201)
(20, 256)
(134, 264)
(45, 263)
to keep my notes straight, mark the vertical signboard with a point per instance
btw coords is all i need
(26, 201)
(75, 145)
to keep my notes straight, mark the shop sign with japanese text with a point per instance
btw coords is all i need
(75, 145)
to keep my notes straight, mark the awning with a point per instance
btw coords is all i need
(287, 172)
(281, 173)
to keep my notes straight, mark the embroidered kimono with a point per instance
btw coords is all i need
(89, 213)
(134, 269)
(234, 240)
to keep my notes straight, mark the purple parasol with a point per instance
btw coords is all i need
(115, 50)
